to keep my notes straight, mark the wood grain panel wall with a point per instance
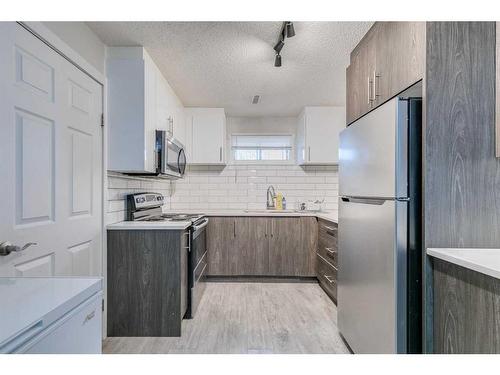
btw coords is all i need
(467, 317)
(497, 120)
(462, 174)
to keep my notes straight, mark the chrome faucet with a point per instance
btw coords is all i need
(271, 195)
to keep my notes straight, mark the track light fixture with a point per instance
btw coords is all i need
(279, 46)
(277, 60)
(290, 31)
(287, 31)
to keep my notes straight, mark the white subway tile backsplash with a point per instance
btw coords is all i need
(235, 187)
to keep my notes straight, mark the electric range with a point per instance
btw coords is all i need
(147, 207)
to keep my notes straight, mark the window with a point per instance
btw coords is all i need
(262, 147)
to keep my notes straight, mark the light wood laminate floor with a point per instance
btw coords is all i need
(250, 318)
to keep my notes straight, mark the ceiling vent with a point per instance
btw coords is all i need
(255, 99)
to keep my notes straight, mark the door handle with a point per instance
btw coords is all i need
(6, 248)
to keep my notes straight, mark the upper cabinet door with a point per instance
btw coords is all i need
(140, 101)
(388, 60)
(318, 135)
(400, 53)
(208, 133)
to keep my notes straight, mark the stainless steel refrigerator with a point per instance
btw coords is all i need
(379, 276)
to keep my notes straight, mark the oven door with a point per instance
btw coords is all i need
(171, 156)
(197, 265)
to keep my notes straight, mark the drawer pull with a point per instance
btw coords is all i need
(330, 228)
(329, 278)
(329, 249)
(89, 317)
(326, 261)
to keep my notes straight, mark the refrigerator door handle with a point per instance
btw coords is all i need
(373, 201)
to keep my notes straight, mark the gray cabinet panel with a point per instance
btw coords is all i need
(145, 282)
(462, 175)
(262, 246)
(220, 237)
(467, 307)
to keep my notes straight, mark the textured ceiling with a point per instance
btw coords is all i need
(224, 64)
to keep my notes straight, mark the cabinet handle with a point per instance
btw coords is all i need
(329, 249)
(234, 228)
(189, 241)
(309, 153)
(89, 317)
(272, 229)
(329, 278)
(376, 77)
(369, 91)
(220, 153)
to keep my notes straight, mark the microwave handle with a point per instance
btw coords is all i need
(159, 147)
(181, 152)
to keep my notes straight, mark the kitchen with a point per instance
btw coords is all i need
(286, 187)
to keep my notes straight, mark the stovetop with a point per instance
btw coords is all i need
(171, 217)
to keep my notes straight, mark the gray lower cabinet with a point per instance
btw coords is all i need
(262, 246)
(147, 282)
(327, 257)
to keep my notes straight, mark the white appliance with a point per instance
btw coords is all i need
(60, 315)
(379, 288)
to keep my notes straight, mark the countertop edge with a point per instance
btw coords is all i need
(447, 255)
(129, 225)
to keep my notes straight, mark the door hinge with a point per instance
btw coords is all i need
(102, 119)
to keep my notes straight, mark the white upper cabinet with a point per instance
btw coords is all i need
(206, 135)
(318, 135)
(140, 101)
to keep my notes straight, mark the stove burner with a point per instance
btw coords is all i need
(171, 217)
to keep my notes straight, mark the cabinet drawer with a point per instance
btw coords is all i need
(325, 240)
(327, 229)
(329, 251)
(327, 276)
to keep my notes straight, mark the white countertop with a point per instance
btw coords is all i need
(39, 301)
(486, 261)
(142, 225)
(181, 225)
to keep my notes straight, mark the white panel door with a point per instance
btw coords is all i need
(51, 153)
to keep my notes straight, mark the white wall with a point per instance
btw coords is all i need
(269, 125)
(81, 39)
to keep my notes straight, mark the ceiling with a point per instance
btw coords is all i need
(224, 64)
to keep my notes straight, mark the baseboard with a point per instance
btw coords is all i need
(262, 279)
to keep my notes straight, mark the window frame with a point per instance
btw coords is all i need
(290, 161)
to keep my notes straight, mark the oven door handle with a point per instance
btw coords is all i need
(200, 226)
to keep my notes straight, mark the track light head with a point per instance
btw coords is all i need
(277, 60)
(290, 31)
(279, 46)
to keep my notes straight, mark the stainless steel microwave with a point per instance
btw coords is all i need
(170, 155)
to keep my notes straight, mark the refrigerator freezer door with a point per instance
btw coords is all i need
(371, 315)
(373, 153)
